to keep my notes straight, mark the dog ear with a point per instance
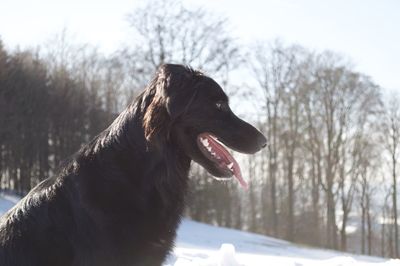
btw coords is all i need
(178, 89)
(155, 118)
(171, 89)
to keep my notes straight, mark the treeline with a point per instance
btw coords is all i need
(48, 108)
(328, 177)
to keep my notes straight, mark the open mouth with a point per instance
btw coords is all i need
(214, 151)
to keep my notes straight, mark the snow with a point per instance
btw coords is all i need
(199, 244)
(205, 245)
(7, 201)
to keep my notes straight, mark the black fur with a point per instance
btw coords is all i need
(119, 200)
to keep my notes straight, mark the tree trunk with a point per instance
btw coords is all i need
(369, 226)
(343, 235)
(363, 229)
(394, 197)
(290, 231)
(331, 220)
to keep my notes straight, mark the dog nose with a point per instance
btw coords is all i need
(264, 145)
(262, 140)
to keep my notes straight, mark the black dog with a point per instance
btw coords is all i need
(119, 200)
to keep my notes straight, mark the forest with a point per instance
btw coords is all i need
(328, 177)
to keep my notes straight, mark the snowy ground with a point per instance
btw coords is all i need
(204, 245)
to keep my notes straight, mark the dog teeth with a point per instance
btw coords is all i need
(204, 141)
(230, 166)
(215, 155)
(207, 145)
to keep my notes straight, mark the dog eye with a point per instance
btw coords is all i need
(223, 106)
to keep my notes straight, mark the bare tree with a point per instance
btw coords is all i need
(167, 31)
(268, 68)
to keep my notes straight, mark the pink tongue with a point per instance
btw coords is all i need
(228, 158)
(238, 174)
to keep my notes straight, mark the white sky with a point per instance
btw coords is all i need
(367, 31)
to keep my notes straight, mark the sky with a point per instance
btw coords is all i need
(365, 31)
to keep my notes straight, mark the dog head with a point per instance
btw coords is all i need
(191, 110)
